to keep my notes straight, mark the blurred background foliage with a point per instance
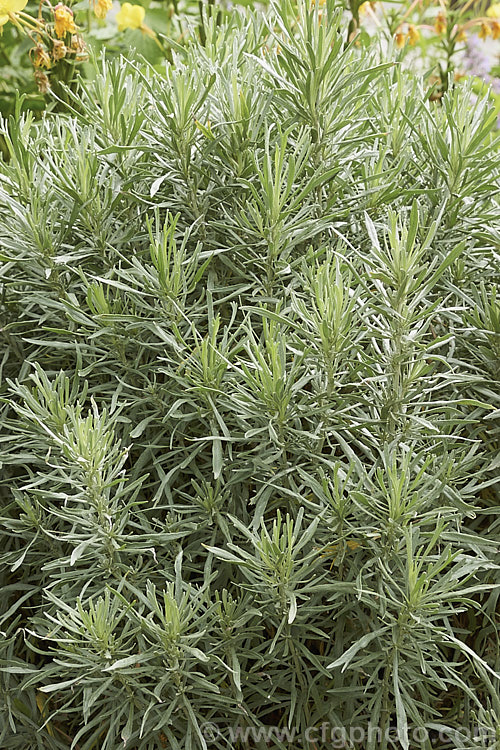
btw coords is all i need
(444, 39)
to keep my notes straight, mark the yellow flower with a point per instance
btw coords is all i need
(400, 39)
(101, 8)
(485, 31)
(413, 35)
(40, 57)
(495, 29)
(440, 24)
(59, 49)
(63, 20)
(130, 16)
(493, 11)
(461, 36)
(10, 6)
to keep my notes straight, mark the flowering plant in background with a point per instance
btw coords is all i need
(56, 42)
(64, 21)
(130, 17)
(433, 37)
(430, 35)
(42, 47)
(10, 8)
(101, 8)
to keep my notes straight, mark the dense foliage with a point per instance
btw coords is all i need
(249, 403)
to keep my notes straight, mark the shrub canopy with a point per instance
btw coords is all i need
(249, 398)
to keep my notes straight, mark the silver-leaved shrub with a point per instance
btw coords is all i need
(249, 369)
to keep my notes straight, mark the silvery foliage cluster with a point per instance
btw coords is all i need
(249, 400)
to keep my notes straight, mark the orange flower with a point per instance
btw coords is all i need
(64, 21)
(400, 39)
(413, 35)
(495, 29)
(440, 23)
(485, 31)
